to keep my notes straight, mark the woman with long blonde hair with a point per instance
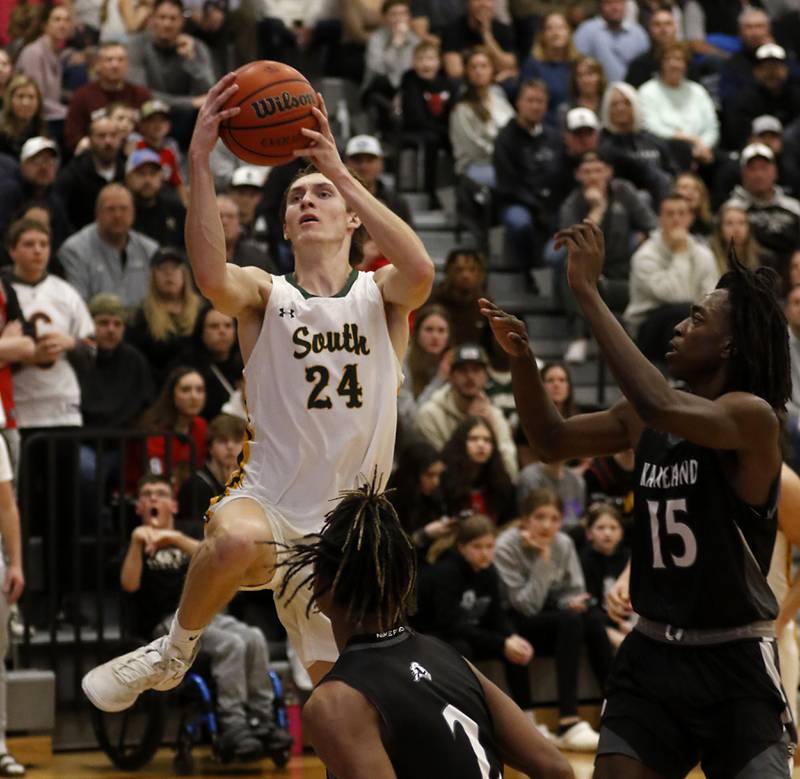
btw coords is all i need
(21, 117)
(732, 228)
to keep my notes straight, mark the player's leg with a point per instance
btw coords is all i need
(622, 767)
(238, 551)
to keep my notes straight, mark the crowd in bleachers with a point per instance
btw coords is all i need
(673, 124)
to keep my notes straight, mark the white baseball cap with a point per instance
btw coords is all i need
(33, 146)
(770, 51)
(579, 118)
(766, 124)
(756, 150)
(249, 176)
(363, 144)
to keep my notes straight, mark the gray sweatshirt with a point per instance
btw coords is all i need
(532, 583)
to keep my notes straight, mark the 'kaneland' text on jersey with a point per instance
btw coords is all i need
(676, 475)
(345, 340)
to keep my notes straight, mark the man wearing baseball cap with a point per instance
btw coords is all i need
(774, 216)
(464, 396)
(364, 156)
(581, 135)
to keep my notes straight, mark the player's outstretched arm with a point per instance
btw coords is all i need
(734, 421)
(408, 280)
(521, 745)
(231, 289)
(551, 436)
(344, 728)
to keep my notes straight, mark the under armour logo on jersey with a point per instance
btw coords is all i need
(282, 312)
(418, 673)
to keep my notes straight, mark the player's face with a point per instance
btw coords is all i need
(156, 505)
(430, 478)
(468, 379)
(108, 331)
(701, 340)
(605, 534)
(31, 254)
(316, 212)
(219, 333)
(223, 452)
(543, 523)
(479, 553)
(479, 445)
(189, 395)
(433, 334)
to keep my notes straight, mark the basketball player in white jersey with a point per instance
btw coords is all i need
(322, 350)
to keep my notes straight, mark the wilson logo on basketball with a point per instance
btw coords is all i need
(267, 106)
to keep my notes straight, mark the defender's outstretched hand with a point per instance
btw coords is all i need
(321, 149)
(586, 248)
(206, 128)
(509, 331)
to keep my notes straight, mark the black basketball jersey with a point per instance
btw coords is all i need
(700, 554)
(436, 721)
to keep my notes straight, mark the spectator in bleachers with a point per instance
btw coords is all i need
(581, 135)
(111, 85)
(543, 579)
(478, 28)
(125, 118)
(693, 188)
(561, 480)
(154, 127)
(360, 18)
(677, 109)
(551, 60)
(227, 27)
(176, 67)
(612, 479)
(663, 31)
(464, 396)
(612, 39)
(478, 116)
(182, 431)
(47, 398)
(557, 383)
(414, 491)
(603, 559)
(427, 364)
(159, 214)
(774, 216)
(426, 99)
(214, 353)
(21, 118)
(33, 182)
(80, 181)
(119, 19)
(390, 52)
(625, 220)
(364, 156)
(153, 570)
(669, 271)
(794, 270)
(771, 92)
(792, 423)
(636, 154)
(108, 255)
(733, 228)
(459, 292)
(475, 479)
(6, 73)
(42, 60)
(460, 601)
(239, 249)
(247, 191)
(526, 162)
(786, 148)
(429, 18)
(162, 326)
(226, 435)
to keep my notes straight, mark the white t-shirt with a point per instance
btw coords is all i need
(50, 396)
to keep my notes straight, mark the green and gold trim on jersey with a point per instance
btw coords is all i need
(351, 279)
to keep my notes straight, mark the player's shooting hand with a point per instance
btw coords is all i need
(211, 114)
(509, 331)
(586, 250)
(14, 583)
(321, 149)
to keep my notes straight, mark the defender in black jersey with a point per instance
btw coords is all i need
(697, 679)
(397, 704)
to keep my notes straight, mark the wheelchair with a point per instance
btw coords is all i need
(131, 738)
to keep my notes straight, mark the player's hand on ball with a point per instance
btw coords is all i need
(321, 149)
(586, 248)
(206, 128)
(509, 331)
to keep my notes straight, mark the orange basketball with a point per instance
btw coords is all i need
(276, 103)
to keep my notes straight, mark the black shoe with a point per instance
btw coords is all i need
(272, 738)
(240, 744)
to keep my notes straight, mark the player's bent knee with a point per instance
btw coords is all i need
(238, 534)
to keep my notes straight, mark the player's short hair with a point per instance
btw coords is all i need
(226, 427)
(362, 556)
(16, 230)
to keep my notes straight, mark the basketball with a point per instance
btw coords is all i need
(276, 102)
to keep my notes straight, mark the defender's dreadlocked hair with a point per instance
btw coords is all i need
(760, 359)
(362, 556)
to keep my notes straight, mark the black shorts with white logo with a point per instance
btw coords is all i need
(671, 707)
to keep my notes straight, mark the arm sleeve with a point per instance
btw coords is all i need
(527, 585)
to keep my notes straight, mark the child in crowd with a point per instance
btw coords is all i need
(603, 559)
(153, 571)
(125, 118)
(154, 127)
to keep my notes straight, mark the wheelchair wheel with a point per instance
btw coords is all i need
(183, 762)
(131, 738)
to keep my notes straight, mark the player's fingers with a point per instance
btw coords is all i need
(222, 84)
(321, 104)
(228, 113)
(314, 135)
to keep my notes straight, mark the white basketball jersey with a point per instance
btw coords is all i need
(321, 386)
